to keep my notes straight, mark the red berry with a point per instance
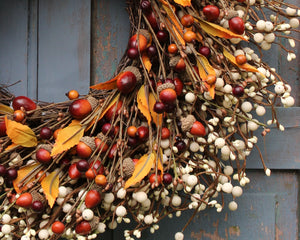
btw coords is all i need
(151, 51)
(43, 156)
(25, 102)
(113, 151)
(80, 108)
(132, 141)
(83, 228)
(132, 53)
(2, 170)
(211, 12)
(198, 129)
(2, 129)
(37, 206)
(107, 128)
(126, 82)
(58, 227)
(180, 145)
(146, 6)
(113, 111)
(168, 95)
(155, 178)
(205, 51)
(237, 25)
(167, 178)
(238, 91)
(143, 133)
(12, 174)
(25, 200)
(92, 199)
(74, 172)
(46, 133)
(83, 150)
(159, 107)
(165, 133)
(187, 20)
(162, 36)
(142, 42)
(178, 86)
(82, 165)
(152, 20)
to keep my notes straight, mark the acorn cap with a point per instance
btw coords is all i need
(165, 86)
(89, 141)
(135, 71)
(36, 196)
(230, 14)
(128, 167)
(174, 60)
(93, 101)
(145, 33)
(187, 122)
(94, 222)
(47, 147)
(16, 159)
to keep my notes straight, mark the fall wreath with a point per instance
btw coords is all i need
(170, 132)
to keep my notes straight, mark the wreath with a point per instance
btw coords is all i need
(170, 132)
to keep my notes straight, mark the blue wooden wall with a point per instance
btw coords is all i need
(53, 46)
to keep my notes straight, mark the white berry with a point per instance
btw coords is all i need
(228, 170)
(43, 234)
(176, 201)
(190, 97)
(101, 227)
(121, 193)
(6, 218)
(121, 211)
(179, 236)
(6, 229)
(260, 110)
(220, 142)
(269, 26)
(270, 37)
(227, 187)
(294, 22)
(148, 219)
(232, 206)
(258, 37)
(260, 25)
(246, 106)
(237, 191)
(88, 214)
(62, 192)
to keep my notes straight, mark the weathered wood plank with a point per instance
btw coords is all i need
(13, 44)
(64, 48)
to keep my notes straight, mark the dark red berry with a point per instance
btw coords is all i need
(211, 12)
(132, 53)
(143, 133)
(238, 91)
(37, 206)
(107, 128)
(2, 129)
(12, 174)
(152, 20)
(162, 36)
(132, 141)
(167, 178)
(180, 145)
(159, 107)
(46, 133)
(170, 107)
(169, 80)
(205, 51)
(2, 170)
(151, 51)
(237, 25)
(82, 165)
(146, 6)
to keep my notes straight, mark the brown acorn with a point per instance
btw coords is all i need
(190, 124)
(167, 93)
(85, 147)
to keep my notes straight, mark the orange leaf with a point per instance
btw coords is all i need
(143, 104)
(108, 85)
(160, 162)
(50, 185)
(157, 118)
(11, 146)
(146, 61)
(184, 3)
(25, 172)
(217, 30)
(109, 106)
(67, 138)
(20, 134)
(141, 169)
(245, 66)
(5, 109)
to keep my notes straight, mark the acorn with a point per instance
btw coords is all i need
(92, 198)
(73, 172)
(190, 124)
(81, 108)
(167, 93)
(127, 80)
(25, 200)
(143, 37)
(43, 155)
(85, 147)
(83, 228)
(177, 63)
(128, 167)
(113, 111)
(100, 143)
(25, 102)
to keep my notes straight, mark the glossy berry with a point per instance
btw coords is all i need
(170, 107)
(46, 133)
(180, 66)
(155, 178)
(143, 133)
(25, 102)
(2, 170)
(180, 145)
(178, 86)
(83, 228)
(172, 48)
(73, 172)
(132, 53)
(198, 129)
(205, 51)
(211, 79)
(165, 133)
(92, 199)
(80, 108)
(238, 91)
(58, 227)
(43, 156)
(18, 115)
(83, 150)
(113, 111)
(2, 129)
(162, 36)
(132, 131)
(187, 20)
(241, 59)
(237, 25)
(11, 174)
(82, 165)
(25, 200)
(133, 42)
(168, 95)
(108, 129)
(189, 36)
(145, 5)
(126, 82)
(151, 51)
(37, 206)
(73, 94)
(211, 12)
(167, 178)
(101, 180)
(101, 145)
(113, 151)
(132, 141)
(159, 107)
(152, 20)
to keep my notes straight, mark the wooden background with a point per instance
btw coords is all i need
(53, 46)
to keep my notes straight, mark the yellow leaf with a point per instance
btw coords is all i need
(108, 85)
(5, 109)
(23, 173)
(141, 169)
(109, 106)
(157, 118)
(160, 162)
(20, 134)
(50, 185)
(245, 66)
(146, 62)
(217, 30)
(184, 3)
(143, 105)
(67, 138)
(13, 145)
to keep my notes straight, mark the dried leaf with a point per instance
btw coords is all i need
(5, 109)
(157, 118)
(245, 66)
(184, 3)
(25, 172)
(141, 169)
(20, 134)
(143, 105)
(108, 85)
(146, 61)
(218, 31)
(160, 162)
(109, 106)
(67, 138)
(50, 185)
(11, 146)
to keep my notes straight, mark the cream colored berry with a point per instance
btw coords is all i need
(140, 196)
(265, 45)
(62, 192)
(258, 37)
(176, 201)
(279, 89)
(121, 211)
(260, 25)
(260, 110)
(227, 187)
(194, 147)
(192, 180)
(269, 26)
(246, 106)
(220, 142)
(232, 206)
(190, 97)
(148, 219)
(237, 191)
(294, 22)
(179, 236)
(228, 170)
(6, 218)
(6, 229)
(43, 234)
(121, 193)
(101, 227)
(291, 11)
(252, 126)
(88, 214)
(270, 37)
